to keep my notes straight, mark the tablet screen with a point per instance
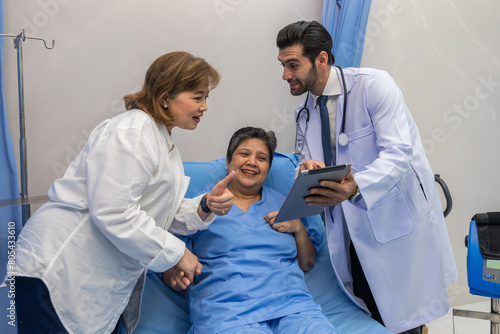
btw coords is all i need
(294, 206)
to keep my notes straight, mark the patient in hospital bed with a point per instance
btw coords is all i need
(252, 278)
(165, 311)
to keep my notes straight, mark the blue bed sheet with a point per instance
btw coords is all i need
(165, 311)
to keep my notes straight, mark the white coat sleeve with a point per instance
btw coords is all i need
(393, 153)
(187, 221)
(119, 166)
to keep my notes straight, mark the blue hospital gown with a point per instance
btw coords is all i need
(250, 271)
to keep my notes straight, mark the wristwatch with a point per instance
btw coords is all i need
(203, 204)
(355, 197)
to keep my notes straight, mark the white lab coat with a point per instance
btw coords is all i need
(107, 222)
(398, 230)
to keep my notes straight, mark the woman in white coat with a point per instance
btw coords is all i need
(387, 210)
(82, 257)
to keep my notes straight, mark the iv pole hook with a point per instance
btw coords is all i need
(22, 36)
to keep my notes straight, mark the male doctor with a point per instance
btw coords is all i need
(386, 232)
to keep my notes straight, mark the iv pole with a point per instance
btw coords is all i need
(24, 201)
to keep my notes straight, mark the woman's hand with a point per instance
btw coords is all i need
(220, 199)
(291, 226)
(305, 248)
(180, 276)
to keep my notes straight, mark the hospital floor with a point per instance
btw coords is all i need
(444, 325)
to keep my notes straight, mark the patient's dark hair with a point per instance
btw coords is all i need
(250, 132)
(311, 35)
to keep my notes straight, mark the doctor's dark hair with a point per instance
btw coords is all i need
(168, 76)
(250, 132)
(311, 35)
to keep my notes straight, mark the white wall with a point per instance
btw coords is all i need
(442, 53)
(103, 49)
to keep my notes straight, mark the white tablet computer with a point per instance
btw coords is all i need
(294, 206)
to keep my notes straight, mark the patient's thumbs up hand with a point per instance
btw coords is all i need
(220, 199)
(220, 187)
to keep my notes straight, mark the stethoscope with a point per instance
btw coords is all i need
(342, 139)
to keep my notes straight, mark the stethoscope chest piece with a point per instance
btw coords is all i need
(343, 139)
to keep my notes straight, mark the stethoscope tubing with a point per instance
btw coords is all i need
(343, 138)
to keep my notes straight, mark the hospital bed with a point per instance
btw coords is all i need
(165, 311)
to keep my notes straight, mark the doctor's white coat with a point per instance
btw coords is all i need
(398, 228)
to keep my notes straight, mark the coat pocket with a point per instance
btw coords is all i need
(362, 147)
(391, 218)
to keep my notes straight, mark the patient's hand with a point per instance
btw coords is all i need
(291, 226)
(305, 248)
(220, 199)
(311, 164)
(169, 278)
(180, 276)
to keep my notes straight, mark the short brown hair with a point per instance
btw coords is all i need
(168, 76)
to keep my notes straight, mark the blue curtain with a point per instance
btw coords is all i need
(10, 217)
(346, 21)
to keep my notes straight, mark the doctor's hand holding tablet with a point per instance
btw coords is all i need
(330, 192)
(316, 187)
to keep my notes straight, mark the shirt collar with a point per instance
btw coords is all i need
(332, 87)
